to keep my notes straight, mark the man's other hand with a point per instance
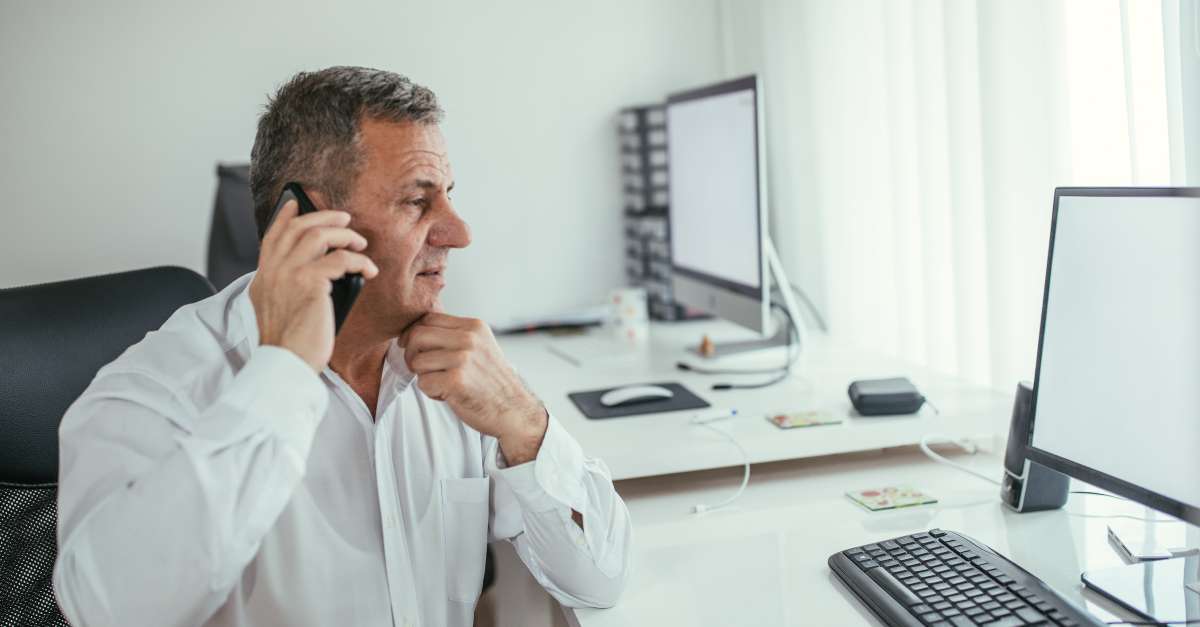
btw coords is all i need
(290, 292)
(457, 360)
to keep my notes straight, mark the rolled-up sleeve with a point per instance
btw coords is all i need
(532, 507)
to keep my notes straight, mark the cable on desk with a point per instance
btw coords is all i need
(793, 337)
(820, 320)
(1189, 621)
(1094, 493)
(963, 443)
(700, 508)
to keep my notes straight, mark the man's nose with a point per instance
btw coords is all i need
(451, 231)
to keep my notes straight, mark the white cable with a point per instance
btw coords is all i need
(704, 422)
(963, 443)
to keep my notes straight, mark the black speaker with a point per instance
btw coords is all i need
(1028, 486)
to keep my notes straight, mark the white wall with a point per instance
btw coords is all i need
(113, 115)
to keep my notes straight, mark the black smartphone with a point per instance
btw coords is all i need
(345, 289)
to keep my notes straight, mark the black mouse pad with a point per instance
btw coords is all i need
(589, 402)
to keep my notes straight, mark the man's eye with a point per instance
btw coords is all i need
(419, 202)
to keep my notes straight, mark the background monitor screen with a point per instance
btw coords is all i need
(1118, 383)
(712, 148)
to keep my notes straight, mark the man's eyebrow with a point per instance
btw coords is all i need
(428, 184)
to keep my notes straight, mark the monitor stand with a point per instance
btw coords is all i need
(780, 338)
(1160, 590)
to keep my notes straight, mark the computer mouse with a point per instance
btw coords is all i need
(632, 394)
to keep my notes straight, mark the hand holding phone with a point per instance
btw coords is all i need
(304, 256)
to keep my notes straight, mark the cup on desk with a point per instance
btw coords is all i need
(629, 318)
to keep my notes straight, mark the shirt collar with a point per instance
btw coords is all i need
(395, 362)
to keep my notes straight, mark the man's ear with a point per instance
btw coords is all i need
(318, 198)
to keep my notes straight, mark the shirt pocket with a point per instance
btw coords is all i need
(464, 536)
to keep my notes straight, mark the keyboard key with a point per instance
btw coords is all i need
(889, 545)
(1030, 615)
(930, 618)
(943, 606)
(937, 533)
(962, 621)
(893, 587)
(950, 611)
(1014, 605)
(1007, 621)
(990, 605)
(871, 547)
(869, 564)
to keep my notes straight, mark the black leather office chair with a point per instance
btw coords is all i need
(233, 236)
(53, 339)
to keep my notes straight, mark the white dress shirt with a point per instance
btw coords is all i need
(207, 480)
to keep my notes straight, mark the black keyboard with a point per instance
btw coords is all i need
(945, 579)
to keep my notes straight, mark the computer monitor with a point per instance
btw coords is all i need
(1116, 397)
(718, 203)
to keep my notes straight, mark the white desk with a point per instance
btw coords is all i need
(657, 444)
(764, 561)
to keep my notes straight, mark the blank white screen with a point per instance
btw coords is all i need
(714, 186)
(1119, 388)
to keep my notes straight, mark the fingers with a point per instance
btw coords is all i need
(429, 362)
(280, 221)
(426, 338)
(446, 321)
(296, 227)
(435, 385)
(341, 262)
(319, 240)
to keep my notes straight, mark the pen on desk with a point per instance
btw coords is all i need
(715, 414)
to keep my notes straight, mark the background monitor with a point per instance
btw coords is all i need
(717, 183)
(1116, 399)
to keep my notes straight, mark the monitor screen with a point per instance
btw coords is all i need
(713, 180)
(1117, 398)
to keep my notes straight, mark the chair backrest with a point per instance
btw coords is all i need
(233, 235)
(53, 339)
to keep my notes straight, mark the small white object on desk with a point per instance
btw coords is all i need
(632, 394)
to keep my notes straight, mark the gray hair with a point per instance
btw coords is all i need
(309, 132)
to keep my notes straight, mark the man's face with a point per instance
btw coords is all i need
(400, 202)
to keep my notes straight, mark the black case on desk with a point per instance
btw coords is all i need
(589, 403)
(884, 397)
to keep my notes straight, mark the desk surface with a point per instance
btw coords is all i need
(763, 562)
(658, 444)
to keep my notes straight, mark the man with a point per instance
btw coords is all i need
(240, 467)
